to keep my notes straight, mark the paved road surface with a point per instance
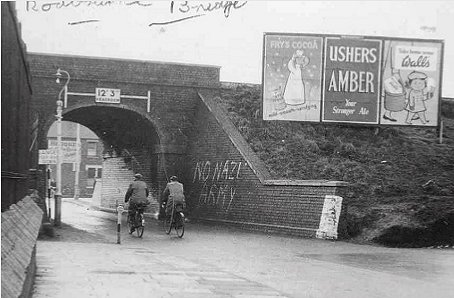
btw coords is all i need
(85, 261)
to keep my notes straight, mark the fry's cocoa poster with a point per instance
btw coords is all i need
(292, 78)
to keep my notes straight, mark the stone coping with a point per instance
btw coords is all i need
(306, 183)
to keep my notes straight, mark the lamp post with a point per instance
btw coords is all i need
(77, 164)
(58, 195)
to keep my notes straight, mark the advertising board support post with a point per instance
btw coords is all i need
(441, 132)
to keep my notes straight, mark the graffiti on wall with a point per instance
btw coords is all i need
(218, 180)
(329, 220)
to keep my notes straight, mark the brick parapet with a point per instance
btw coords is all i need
(103, 69)
(20, 227)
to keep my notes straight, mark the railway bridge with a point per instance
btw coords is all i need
(163, 119)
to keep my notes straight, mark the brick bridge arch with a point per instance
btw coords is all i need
(184, 130)
(146, 131)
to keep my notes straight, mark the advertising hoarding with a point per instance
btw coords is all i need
(69, 150)
(411, 83)
(293, 71)
(351, 79)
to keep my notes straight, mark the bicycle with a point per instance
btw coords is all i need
(138, 222)
(175, 220)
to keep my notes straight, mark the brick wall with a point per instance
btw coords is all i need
(171, 85)
(19, 153)
(116, 178)
(228, 183)
(20, 228)
(118, 174)
(173, 90)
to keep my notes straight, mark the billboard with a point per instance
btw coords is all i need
(69, 150)
(411, 83)
(351, 79)
(293, 72)
(351, 84)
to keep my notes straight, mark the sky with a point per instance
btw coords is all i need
(199, 32)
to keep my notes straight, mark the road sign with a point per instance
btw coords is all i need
(107, 95)
(47, 157)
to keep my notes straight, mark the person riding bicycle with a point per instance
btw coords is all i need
(173, 193)
(137, 195)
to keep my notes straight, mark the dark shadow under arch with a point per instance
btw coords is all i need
(119, 126)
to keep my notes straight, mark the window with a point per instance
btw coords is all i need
(93, 172)
(91, 148)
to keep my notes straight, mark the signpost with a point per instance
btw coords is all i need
(47, 157)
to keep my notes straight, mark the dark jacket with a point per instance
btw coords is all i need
(137, 192)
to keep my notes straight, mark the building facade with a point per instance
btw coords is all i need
(19, 122)
(90, 167)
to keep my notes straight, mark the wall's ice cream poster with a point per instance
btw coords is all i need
(351, 80)
(411, 83)
(292, 77)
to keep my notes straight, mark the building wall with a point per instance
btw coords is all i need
(86, 183)
(19, 152)
(21, 215)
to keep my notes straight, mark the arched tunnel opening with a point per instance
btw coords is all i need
(118, 128)
(129, 140)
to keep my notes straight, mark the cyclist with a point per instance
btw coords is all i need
(137, 195)
(173, 193)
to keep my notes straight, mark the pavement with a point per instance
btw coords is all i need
(84, 260)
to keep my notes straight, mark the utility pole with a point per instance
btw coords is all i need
(58, 195)
(76, 182)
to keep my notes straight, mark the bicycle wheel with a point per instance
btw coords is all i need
(130, 223)
(168, 224)
(179, 224)
(139, 225)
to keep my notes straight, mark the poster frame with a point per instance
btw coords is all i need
(383, 39)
